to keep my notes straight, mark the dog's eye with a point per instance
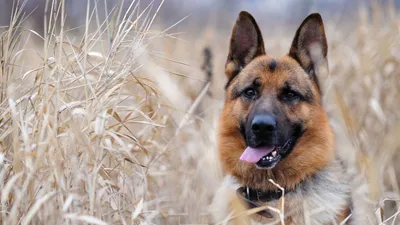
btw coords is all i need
(250, 92)
(290, 96)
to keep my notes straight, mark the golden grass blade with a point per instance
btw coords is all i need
(85, 218)
(35, 208)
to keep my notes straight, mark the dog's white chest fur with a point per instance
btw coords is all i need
(316, 201)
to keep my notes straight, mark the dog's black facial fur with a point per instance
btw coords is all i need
(272, 65)
(284, 138)
(242, 130)
(296, 133)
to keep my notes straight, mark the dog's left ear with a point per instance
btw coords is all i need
(246, 44)
(309, 46)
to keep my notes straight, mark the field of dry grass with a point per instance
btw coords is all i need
(117, 125)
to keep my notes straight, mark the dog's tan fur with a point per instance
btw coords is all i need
(319, 189)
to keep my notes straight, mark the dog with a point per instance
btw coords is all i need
(274, 138)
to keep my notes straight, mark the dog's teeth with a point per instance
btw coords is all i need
(274, 153)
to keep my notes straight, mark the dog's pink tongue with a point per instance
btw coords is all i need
(253, 155)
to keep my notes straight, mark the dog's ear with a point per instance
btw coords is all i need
(309, 46)
(246, 44)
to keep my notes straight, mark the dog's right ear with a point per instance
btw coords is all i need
(246, 44)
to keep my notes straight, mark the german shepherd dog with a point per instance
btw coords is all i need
(275, 140)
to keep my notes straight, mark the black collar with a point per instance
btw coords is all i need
(252, 196)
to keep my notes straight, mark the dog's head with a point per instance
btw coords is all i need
(273, 124)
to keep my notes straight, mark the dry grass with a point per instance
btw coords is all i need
(101, 129)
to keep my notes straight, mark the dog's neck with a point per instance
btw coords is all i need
(253, 197)
(327, 191)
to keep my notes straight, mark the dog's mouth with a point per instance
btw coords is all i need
(267, 157)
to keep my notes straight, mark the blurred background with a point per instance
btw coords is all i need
(206, 13)
(109, 108)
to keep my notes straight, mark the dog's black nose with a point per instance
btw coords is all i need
(262, 124)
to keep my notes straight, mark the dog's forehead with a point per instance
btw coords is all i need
(276, 72)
